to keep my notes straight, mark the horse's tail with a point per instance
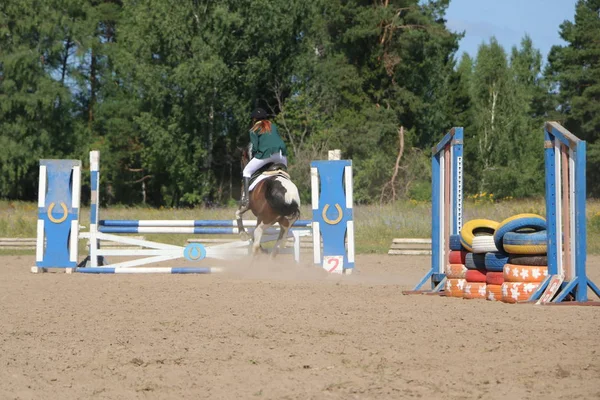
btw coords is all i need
(283, 197)
(295, 215)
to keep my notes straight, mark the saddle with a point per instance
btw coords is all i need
(270, 169)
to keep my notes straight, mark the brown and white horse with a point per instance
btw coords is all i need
(274, 199)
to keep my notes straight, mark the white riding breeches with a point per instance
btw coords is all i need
(255, 163)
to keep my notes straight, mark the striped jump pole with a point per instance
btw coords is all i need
(565, 170)
(446, 206)
(177, 229)
(189, 223)
(157, 270)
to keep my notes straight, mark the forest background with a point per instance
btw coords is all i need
(164, 90)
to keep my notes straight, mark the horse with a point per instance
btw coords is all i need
(274, 199)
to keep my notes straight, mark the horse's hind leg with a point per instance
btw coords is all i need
(283, 230)
(240, 223)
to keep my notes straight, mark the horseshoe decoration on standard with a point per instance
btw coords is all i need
(194, 252)
(333, 221)
(61, 219)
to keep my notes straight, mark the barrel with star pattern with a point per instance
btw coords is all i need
(455, 287)
(524, 273)
(513, 292)
(474, 290)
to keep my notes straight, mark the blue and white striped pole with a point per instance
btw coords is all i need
(94, 207)
(148, 270)
(191, 230)
(186, 223)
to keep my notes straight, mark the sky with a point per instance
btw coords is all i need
(509, 21)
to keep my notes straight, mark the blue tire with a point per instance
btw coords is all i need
(526, 243)
(516, 223)
(475, 261)
(455, 243)
(495, 261)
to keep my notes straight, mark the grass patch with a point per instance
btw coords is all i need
(375, 226)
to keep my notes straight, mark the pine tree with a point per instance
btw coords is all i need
(35, 106)
(574, 70)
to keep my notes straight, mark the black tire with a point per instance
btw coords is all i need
(518, 259)
(475, 261)
(483, 231)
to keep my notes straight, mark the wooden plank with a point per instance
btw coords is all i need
(2, 240)
(18, 243)
(411, 240)
(551, 290)
(409, 252)
(410, 246)
(403, 246)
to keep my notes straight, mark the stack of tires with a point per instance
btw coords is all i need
(494, 264)
(466, 273)
(477, 236)
(521, 243)
(455, 269)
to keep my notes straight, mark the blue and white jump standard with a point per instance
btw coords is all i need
(446, 205)
(565, 165)
(58, 214)
(333, 220)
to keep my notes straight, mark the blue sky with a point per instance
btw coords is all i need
(509, 21)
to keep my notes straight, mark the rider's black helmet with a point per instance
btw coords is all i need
(259, 114)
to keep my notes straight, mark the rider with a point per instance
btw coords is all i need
(267, 146)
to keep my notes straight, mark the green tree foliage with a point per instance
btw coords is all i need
(574, 70)
(506, 157)
(164, 90)
(35, 108)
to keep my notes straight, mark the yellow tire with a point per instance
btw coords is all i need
(467, 233)
(531, 250)
(524, 273)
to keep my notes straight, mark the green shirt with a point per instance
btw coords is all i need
(265, 145)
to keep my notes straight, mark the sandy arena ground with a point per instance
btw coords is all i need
(284, 332)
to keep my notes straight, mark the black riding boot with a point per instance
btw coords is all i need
(245, 201)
